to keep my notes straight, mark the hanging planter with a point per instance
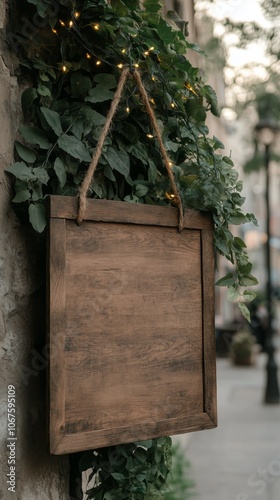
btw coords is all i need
(131, 316)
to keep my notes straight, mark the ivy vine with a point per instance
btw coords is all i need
(71, 57)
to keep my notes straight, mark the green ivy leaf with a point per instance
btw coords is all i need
(80, 84)
(227, 280)
(165, 32)
(102, 92)
(152, 5)
(248, 280)
(60, 172)
(92, 116)
(118, 160)
(211, 96)
(74, 147)
(34, 135)
(41, 174)
(53, 120)
(22, 196)
(244, 310)
(249, 296)
(37, 216)
(25, 153)
(21, 171)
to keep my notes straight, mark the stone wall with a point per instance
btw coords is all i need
(22, 324)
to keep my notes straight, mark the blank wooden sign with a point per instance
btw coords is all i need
(131, 324)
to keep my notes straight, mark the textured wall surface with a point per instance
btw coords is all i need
(22, 325)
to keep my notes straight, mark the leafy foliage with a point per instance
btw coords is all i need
(75, 61)
(135, 471)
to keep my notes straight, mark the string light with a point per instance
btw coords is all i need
(153, 78)
(150, 136)
(170, 196)
(147, 53)
(136, 65)
(96, 27)
(170, 163)
(64, 68)
(152, 101)
(54, 31)
(77, 15)
(62, 22)
(127, 109)
(173, 105)
(123, 51)
(120, 65)
(98, 63)
(71, 24)
(151, 48)
(88, 56)
(189, 87)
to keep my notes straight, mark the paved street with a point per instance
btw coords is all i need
(240, 460)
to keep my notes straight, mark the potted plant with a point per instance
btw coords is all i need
(243, 348)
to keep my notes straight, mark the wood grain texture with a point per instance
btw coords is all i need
(130, 213)
(57, 332)
(135, 302)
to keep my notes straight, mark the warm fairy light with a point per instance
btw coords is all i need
(71, 24)
(170, 163)
(123, 51)
(172, 105)
(170, 196)
(120, 65)
(62, 22)
(152, 101)
(151, 48)
(64, 69)
(136, 65)
(98, 63)
(96, 27)
(147, 53)
(150, 136)
(127, 109)
(153, 78)
(54, 31)
(88, 56)
(189, 87)
(77, 15)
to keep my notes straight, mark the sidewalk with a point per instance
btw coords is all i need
(240, 460)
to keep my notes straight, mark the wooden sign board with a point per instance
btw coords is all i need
(131, 324)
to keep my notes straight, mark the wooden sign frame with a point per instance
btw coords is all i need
(130, 324)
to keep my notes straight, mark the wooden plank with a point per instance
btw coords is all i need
(118, 211)
(57, 294)
(98, 439)
(131, 326)
(210, 399)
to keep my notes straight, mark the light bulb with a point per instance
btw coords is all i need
(120, 65)
(88, 56)
(77, 15)
(96, 27)
(150, 136)
(127, 109)
(71, 24)
(98, 63)
(64, 69)
(62, 22)
(136, 65)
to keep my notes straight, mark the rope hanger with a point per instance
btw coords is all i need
(82, 196)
